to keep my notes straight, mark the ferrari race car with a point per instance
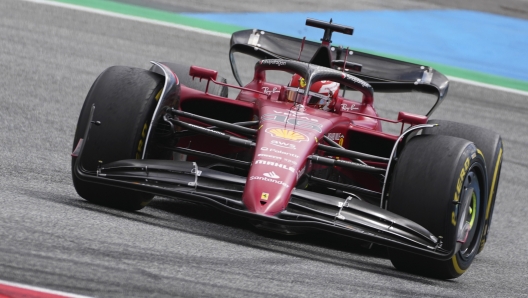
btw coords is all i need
(296, 156)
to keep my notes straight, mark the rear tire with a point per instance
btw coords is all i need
(182, 71)
(124, 99)
(433, 179)
(490, 143)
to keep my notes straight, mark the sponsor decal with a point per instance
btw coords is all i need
(269, 180)
(336, 136)
(274, 164)
(254, 38)
(345, 107)
(279, 152)
(267, 90)
(290, 161)
(356, 80)
(458, 189)
(302, 82)
(277, 62)
(264, 196)
(287, 134)
(269, 156)
(271, 175)
(291, 113)
(302, 122)
(142, 140)
(296, 114)
(283, 144)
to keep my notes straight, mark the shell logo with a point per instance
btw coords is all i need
(287, 134)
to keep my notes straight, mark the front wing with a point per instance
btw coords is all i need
(306, 210)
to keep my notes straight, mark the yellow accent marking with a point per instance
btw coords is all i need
(264, 196)
(316, 140)
(141, 141)
(460, 180)
(287, 134)
(457, 198)
(481, 154)
(302, 83)
(144, 131)
(456, 266)
(158, 95)
(261, 126)
(471, 208)
(341, 140)
(458, 189)
(493, 183)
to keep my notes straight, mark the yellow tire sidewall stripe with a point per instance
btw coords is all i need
(494, 182)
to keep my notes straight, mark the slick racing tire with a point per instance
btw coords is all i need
(490, 144)
(440, 183)
(124, 99)
(182, 71)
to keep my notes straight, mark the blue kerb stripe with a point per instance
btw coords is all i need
(470, 40)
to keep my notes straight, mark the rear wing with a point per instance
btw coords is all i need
(383, 74)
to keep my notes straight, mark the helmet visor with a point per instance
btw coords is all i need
(294, 94)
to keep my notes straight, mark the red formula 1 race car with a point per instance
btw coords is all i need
(299, 155)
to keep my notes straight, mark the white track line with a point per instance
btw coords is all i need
(489, 86)
(224, 35)
(38, 289)
(127, 17)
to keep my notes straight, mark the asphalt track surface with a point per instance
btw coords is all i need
(50, 237)
(513, 8)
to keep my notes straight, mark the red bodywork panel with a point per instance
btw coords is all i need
(286, 136)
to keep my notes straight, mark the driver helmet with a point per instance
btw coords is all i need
(320, 96)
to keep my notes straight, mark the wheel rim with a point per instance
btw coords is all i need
(471, 183)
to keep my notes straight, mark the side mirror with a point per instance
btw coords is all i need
(412, 119)
(203, 73)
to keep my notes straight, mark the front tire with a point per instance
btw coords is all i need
(440, 183)
(124, 99)
(490, 144)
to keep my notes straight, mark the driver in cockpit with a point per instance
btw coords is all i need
(322, 94)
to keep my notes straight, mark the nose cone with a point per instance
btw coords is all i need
(279, 160)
